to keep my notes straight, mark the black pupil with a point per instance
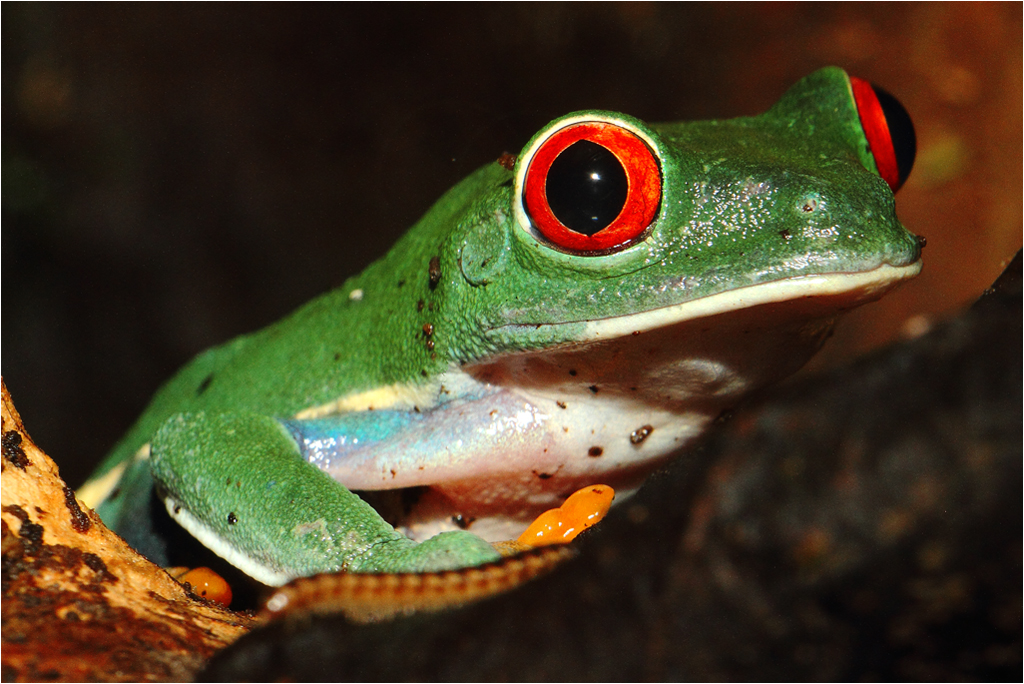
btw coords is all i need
(901, 131)
(586, 187)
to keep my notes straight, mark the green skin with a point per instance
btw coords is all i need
(730, 218)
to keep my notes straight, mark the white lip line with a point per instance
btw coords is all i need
(879, 279)
(220, 546)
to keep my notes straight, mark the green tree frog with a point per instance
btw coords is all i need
(576, 314)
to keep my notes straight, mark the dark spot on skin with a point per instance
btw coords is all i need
(401, 283)
(393, 473)
(462, 521)
(204, 385)
(593, 388)
(423, 373)
(13, 451)
(114, 494)
(544, 476)
(428, 330)
(420, 304)
(434, 271)
(232, 518)
(922, 241)
(507, 161)
(72, 616)
(640, 434)
(79, 520)
(177, 509)
(595, 451)
(809, 206)
(337, 356)
(560, 404)
(785, 234)
(572, 372)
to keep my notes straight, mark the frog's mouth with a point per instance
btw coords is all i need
(697, 355)
(832, 293)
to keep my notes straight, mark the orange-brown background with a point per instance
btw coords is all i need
(177, 175)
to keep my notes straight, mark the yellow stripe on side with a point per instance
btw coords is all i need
(396, 396)
(95, 491)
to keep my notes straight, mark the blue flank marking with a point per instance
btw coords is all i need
(325, 439)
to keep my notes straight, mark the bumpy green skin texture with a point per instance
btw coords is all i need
(253, 478)
(732, 214)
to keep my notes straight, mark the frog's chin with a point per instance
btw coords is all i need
(828, 292)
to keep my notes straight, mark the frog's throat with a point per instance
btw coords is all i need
(852, 289)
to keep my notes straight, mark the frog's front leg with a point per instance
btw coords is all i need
(238, 483)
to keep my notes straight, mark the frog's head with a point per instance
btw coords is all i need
(590, 309)
(616, 227)
(631, 281)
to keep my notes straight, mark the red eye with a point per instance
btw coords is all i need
(592, 187)
(889, 131)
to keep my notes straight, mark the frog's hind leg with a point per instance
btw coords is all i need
(238, 483)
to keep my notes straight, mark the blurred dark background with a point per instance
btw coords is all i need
(176, 175)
